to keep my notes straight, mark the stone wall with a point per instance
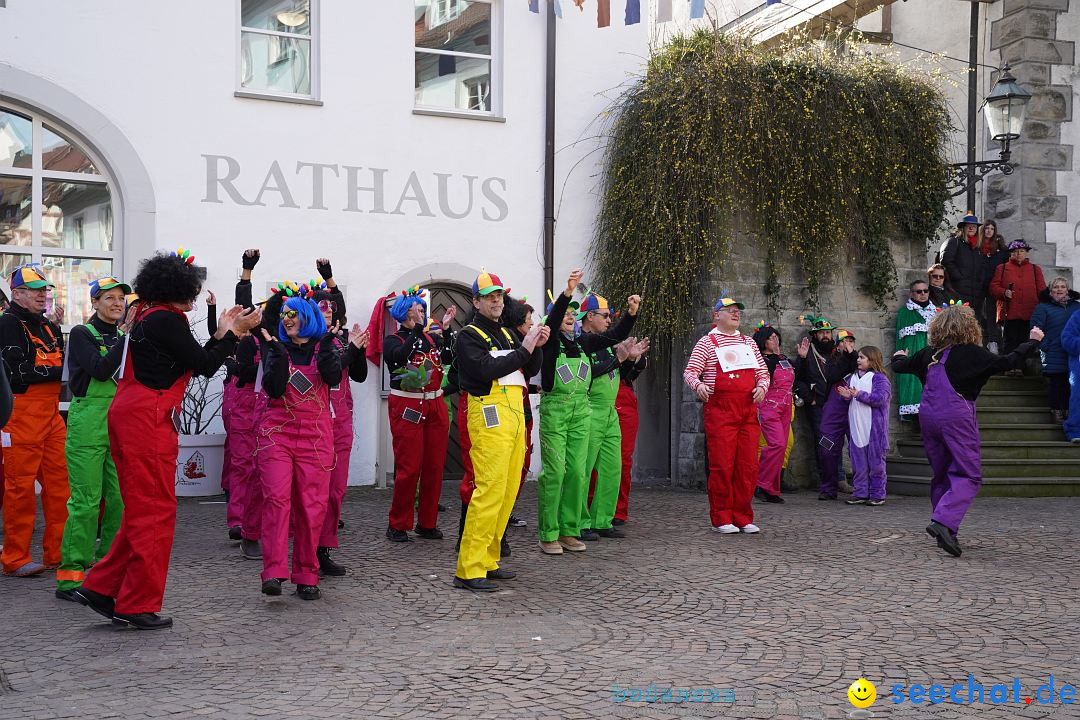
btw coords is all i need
(841, 300)
(1033, 38)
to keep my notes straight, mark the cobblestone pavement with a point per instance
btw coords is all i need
(786, 619)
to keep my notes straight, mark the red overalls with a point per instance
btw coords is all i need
(295, 458)
(626, 406)
(37, 452)
(731, 437)
(341, 406)
(143, 441)
(775, 418)
(419, 447)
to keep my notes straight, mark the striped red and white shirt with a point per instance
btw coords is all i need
(702, 366)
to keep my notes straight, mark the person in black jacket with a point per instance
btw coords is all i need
(32, 347)
(811, 383)
(94, 354)
(965, 264)
(940, 290)
(492, 368)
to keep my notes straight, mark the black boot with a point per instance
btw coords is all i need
(143, 621)
(429, 533)
(326, 565)
(504, 548)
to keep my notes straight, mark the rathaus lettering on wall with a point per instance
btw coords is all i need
(350, 188)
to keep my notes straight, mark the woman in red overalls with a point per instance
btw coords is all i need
(128, 584)
(296, 443)
(774, 413)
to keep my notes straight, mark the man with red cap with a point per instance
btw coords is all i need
(33, 353)
(727, 373)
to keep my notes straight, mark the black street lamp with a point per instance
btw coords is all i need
(1004, 109)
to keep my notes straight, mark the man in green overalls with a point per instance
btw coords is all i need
(564, 428)
(605, 437)
(94, 354)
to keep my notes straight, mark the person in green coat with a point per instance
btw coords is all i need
(95, 351)
(911, 328)
(605, 437)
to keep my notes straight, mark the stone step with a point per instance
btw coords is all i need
(1045, 431)
(1012, 414)
(1002, 382)
(1013, 398)
(994, 468)
(993, 487)
(1005, 449)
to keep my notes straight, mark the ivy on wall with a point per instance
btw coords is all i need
(821, 153)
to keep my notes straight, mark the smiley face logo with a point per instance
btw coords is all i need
(862, 693)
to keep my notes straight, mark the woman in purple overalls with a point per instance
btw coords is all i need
(953, 370)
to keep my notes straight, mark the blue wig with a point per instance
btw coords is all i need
(400, 309)
(312, 324)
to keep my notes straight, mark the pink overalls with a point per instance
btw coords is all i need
(341, 407)
(295, 459)
(774, 415)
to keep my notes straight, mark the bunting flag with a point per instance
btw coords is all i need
(633, 12)
(603, 13)
(663, 11)
(697, 9)
(534, 6)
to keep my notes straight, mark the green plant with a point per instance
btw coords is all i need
(811, 152)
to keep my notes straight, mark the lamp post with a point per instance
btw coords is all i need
(1004, 108)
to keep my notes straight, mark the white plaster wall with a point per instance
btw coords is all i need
(165, 75)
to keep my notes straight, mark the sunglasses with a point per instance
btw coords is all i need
(289, 313)
(330, 305)
(921, 292)
(938, 277)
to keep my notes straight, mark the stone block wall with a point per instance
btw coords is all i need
(743, 275)
(1033, 36)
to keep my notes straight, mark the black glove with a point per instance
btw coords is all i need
(249, 262)
(324, 270)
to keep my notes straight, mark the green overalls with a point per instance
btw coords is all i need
(562, 487)
(91, 477)
(605, 447)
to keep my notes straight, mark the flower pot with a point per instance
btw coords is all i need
(198, 465)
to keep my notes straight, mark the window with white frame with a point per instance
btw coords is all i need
(55, 209)
(278, 48)
(456, 55)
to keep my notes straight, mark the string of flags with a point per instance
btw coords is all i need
(632, 10)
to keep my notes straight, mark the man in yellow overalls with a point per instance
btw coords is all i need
(492, 370)
(33, 351)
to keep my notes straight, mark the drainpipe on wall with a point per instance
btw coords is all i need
(549, 158)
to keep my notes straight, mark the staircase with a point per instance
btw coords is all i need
(1024, 453)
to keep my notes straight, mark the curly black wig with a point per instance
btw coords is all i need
(514, 312)
(166, 278)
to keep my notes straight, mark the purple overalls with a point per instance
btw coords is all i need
(830, 449)
(950, 433)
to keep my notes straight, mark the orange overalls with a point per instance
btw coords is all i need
(36, 453)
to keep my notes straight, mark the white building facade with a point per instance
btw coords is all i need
(402, 139)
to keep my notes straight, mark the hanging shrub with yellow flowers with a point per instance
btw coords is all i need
(819, 152)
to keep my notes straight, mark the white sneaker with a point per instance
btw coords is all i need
(728, 529)
(750, 529)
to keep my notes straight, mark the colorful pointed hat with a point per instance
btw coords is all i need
(487, 283)
(592, 303)
(29, 276)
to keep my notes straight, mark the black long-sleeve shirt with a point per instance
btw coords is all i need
(84, 359)
(811, 372)
(630, 370)
(19, 351)
(163, 349)
(598, 345)
(477, 368)
(400, 347)
(353, 360)
(276, 356)
(584, 344)
(968, 367)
